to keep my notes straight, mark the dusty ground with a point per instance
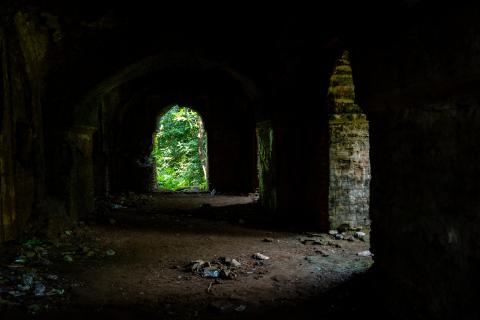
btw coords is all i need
(156, 237)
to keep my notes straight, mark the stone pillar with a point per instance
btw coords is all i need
(81, 182)
(266, 166)
(349, 189)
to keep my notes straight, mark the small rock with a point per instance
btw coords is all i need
(39, 289)
(332, 232)
(351, 239)
(260, 256)
(68, 232)
(67, 258)
(339, 236)
(359, 235)
(110, 252)
(235, 263)
(240, 308)
(365, 253)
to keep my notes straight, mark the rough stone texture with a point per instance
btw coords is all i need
(22, 163)
(266, 165)
(425, 208)
(349, 189)
(349, 192)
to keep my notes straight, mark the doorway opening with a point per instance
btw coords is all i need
(180, 151)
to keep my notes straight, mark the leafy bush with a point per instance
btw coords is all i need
(180, 150)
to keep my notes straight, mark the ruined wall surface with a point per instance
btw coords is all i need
(349, 192)
(423, 105)
(425, 208)
(23, 47)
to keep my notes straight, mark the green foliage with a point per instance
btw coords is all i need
(180, 149)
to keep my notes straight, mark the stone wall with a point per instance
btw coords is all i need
(349, 192)
(425, 209)
(22, 169)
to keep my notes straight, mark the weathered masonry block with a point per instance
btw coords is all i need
(349, 170)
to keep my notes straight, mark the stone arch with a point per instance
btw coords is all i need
(140, 91)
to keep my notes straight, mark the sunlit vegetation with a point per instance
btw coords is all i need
(180, 150)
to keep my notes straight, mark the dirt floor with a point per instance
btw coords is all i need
(136, 260)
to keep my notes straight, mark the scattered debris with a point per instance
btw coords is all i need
(223, 268)
(28, 283)
(260, 256)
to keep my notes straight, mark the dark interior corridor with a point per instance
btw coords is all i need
(343, 144)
